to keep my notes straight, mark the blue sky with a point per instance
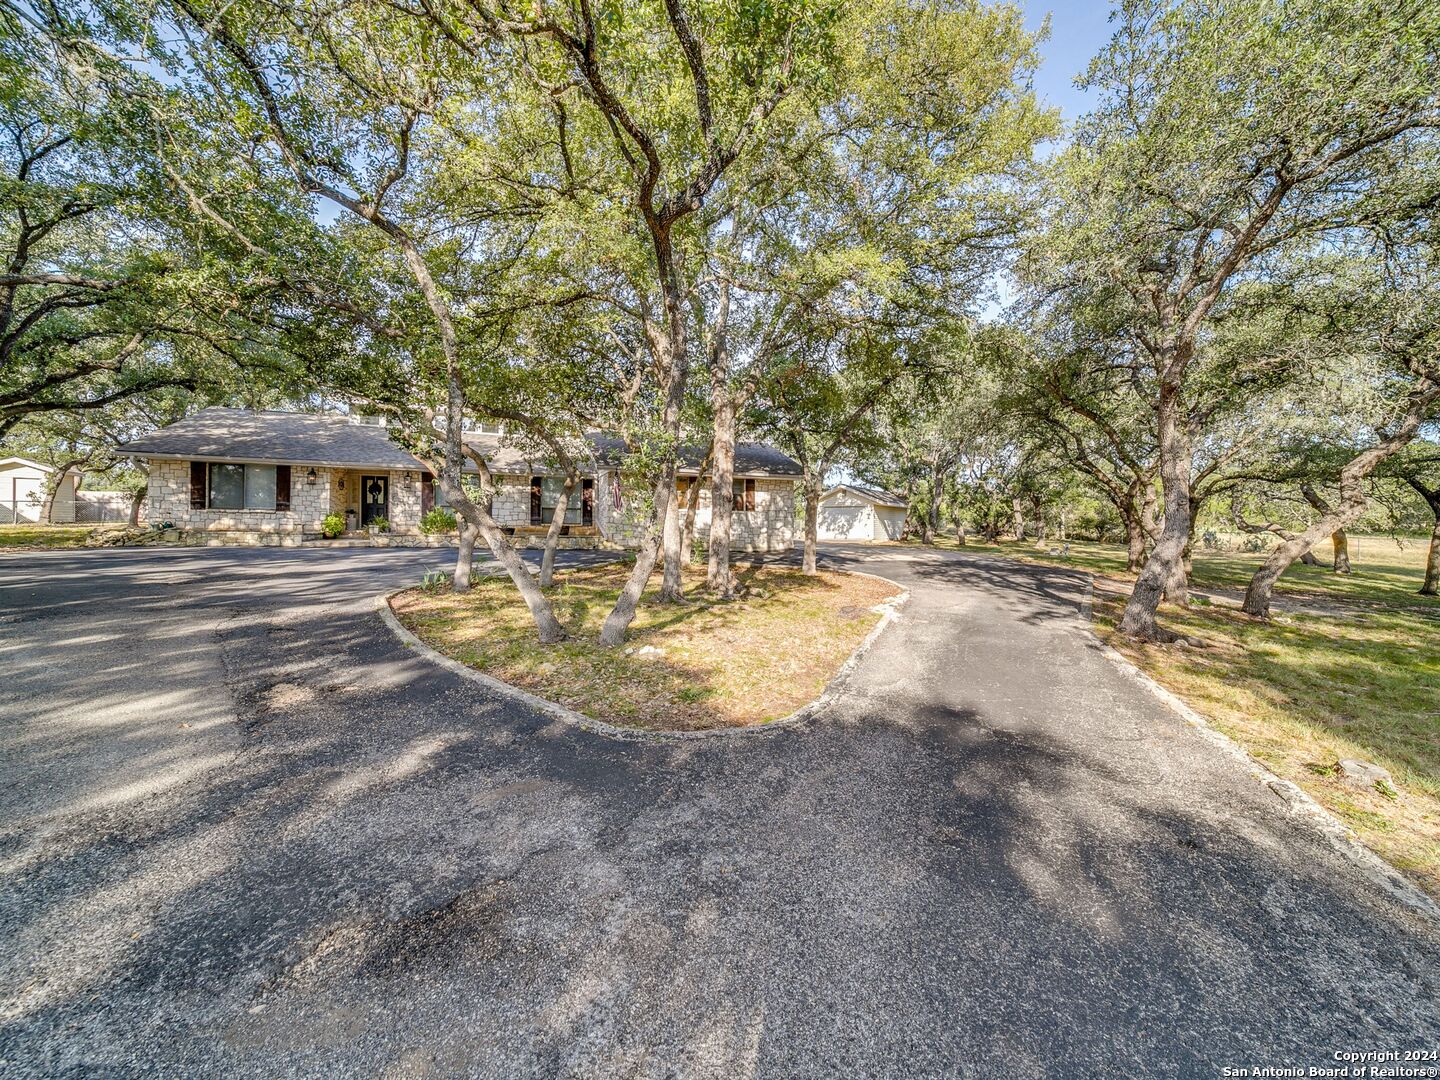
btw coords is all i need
(1077, 31)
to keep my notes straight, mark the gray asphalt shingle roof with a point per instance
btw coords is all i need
(873, 494)
(274, 436)
(221, 434)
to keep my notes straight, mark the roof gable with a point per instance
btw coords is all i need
(877, 496)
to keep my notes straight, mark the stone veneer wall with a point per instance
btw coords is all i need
(769, 527)
(510, 505)
(169, 500)
(405, 501)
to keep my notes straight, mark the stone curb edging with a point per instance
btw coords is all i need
(833, 688)
(1300, 803)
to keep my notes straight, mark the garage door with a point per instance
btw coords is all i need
(843, 523)
(892, 522)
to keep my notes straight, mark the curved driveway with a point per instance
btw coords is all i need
(243, 832)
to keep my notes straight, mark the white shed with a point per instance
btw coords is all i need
(22, 492)
(853, 512)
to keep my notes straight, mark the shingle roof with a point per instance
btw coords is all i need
(296, 438)
(751, 459)
(874, 495)
(273, 436)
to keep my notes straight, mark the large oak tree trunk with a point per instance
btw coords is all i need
(672, 580)
(474, 515)
(719, 578)
(1167, 558)
(1341, 543)
(937, 493)
(672, 358)
(1431, 585)
(464, 557)
(811, 485)
(1349, 508)
(1017, 516)
(557, 526)
(1134, 542)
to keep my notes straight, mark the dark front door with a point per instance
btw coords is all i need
(374, 498)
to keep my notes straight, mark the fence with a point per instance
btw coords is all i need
(101, 506)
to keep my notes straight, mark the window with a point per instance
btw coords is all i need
(551, 488)
(744, 498)
(227, 487)
(259, 487)
(244, 487)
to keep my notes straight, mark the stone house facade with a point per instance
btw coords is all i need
(235, 476)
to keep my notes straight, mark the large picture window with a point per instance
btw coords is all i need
(242, 487)
(551, 488)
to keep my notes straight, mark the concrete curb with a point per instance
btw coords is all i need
(1298, 802)
(833, 688)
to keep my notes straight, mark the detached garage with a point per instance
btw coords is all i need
(22, 492)
(856, 513)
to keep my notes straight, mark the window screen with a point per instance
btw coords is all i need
(551, 488)
(259, 487)
(227, 487)
(242, 487)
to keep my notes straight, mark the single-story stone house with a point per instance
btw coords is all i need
(856, 512)
(237, 476)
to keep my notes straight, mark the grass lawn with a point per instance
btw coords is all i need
(46, 536)
(1351, 670)
(718, 664)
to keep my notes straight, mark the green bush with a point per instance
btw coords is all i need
(439, 520)
(380, 524)
(332, 526)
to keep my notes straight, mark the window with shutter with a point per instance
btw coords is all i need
(587, 502)
(198, 487)
(282, 487)
(535, 484)
(744, 496)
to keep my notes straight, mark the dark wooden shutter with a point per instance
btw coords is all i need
(199, 474)
(282, 487)
(427, 493)
(587, 501)
(749, 494)
(535, 500)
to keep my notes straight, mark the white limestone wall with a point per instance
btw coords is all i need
(769, 527)
(169, 500)
(510, 504)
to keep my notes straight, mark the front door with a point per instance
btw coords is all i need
(374, 498)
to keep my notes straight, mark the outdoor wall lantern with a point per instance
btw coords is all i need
(409, 477)
(310, 478)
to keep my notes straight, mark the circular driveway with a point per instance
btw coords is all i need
(244, 832)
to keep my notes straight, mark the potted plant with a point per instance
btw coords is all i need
(379, 525)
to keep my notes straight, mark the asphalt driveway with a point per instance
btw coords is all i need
(244, 832)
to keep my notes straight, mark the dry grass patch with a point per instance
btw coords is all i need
(30, 537)
(688, 667)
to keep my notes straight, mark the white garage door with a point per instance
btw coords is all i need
(843, 523)
(892, 523)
